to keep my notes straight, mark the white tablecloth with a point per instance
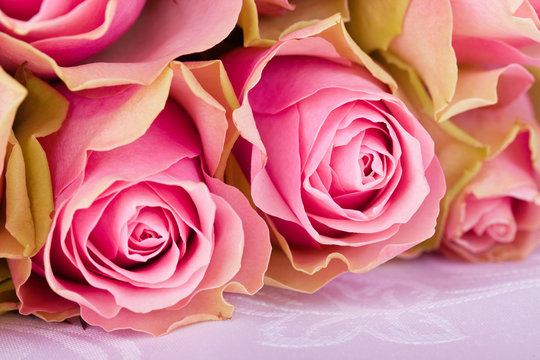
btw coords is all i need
(427, 308)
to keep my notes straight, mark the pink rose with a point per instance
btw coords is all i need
(345, 174)
(496, 217)
(143, 236)
(90, 43)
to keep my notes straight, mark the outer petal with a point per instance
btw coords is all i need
(180, 27)
(509, 19)
(102, 124)
(327, 39)
(265, 30)
(8, 298)
(28, 195)
(478, 88)
(207, 113)
(205, 306)
(256, 246)
(374, 24)
(12, 95)
(431, 55)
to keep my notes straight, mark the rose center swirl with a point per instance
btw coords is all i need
(360, 163)
(132, 236)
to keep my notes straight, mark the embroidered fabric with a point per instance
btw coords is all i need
(403, 309)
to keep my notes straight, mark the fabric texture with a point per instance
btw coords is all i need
(410, 309)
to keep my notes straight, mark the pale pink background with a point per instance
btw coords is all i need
(428, 308)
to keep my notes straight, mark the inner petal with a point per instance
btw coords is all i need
(487, 222)
(20, 9)
(360, 164)
(499, 223)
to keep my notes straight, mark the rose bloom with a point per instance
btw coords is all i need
(142, 235)
(496, 216)
(96, 43)
(346, 175)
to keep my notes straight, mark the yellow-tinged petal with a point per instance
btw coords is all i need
(206, 73)
(333, 30)
(282, 273)
(411, 87)
(19, 238)
(206, 305)
(11, 96)
(374, 24)
(8, 298)
(29, 198)
(426, 45)
(265, 30)
(286, 271)
(479, 88)
(249, 22)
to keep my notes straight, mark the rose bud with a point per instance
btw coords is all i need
(496, 216)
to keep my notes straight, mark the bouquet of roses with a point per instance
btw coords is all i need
(157, 154)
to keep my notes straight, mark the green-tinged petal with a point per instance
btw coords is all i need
(374, 24)
(11, 96)
(426, 45)
(333, 30)
(415, 35)
(8, 298)
(265, 30)
(206, 74)
(410, 86)
(29, 197)
(20, 238)
(479, 88)
(249, 22)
